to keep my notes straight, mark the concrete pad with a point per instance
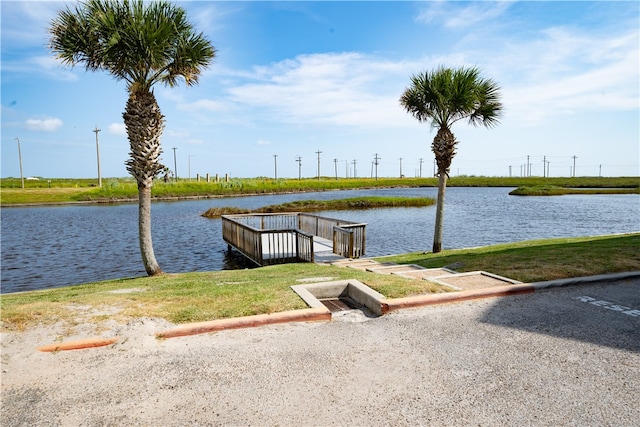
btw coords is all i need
(389, 269)
(426, 274)
(473, 280)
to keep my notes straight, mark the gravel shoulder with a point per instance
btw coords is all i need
(555, 357)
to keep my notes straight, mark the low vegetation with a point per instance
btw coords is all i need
(191, 297)
(125, 189)
(552, 190)
(327, 205)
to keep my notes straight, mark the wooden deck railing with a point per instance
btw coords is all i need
(280, 238)
(349, 240)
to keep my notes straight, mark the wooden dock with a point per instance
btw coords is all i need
(290, 237)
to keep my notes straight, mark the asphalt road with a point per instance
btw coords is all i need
(557, 357)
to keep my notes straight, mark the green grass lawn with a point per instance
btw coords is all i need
(191, 297)
(540, 260)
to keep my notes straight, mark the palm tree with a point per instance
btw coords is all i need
(444, 96)
(142, 44)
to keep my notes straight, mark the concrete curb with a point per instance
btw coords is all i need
(304, 315)
(500, 291)
(586, 280)
(78, 345)
(431, 299)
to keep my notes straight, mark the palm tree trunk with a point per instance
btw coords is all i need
(444, 148)
(144, 230)
(437, 234)
(144, 123)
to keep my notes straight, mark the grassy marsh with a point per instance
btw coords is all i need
(333, 205)
(125, 189)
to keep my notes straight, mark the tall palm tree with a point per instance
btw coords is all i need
(442, 97)
(142, 44)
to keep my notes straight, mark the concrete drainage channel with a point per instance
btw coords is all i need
(349, 300)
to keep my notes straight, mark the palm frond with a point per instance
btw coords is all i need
(139, 42)
(445, 95)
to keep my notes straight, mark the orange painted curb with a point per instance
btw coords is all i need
(422, 300)
(78, 345)
(305, 315)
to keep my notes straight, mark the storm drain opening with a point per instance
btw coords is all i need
(341, 304)
(343, 298)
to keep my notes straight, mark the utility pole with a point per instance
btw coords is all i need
(600, 172)
(509, 171)
(548, 167)
(355, 172)
(299, 160)
(544, 166)
(96, 130)
(335, 165)
(275, 166)
(528, 167)
(20, 157)
(346, 169)
(421, 160)
(574, 165)
(189, 161)
(175, 163)
(400, 167)
(434, 168)
(318, 153)
(375, 162)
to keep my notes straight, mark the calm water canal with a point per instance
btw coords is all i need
(45, 247)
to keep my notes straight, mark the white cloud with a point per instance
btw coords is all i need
(348, 89)
(460, 15)
(560, 72)
(40, 64)
(202, 105)
(567, 73)
(48, 124)
(263, 142)
(176, 134)
(118, 129)
(25, 23)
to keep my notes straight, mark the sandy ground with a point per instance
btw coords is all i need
(547, 358)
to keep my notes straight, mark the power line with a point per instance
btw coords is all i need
(375, 162)
(299, 160)
(275, 166)
(318, 153)
(96, 130)
(20, 158)
(175, 163)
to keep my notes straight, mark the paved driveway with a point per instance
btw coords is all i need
(564, 356)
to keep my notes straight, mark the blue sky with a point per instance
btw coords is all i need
(294, 78)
